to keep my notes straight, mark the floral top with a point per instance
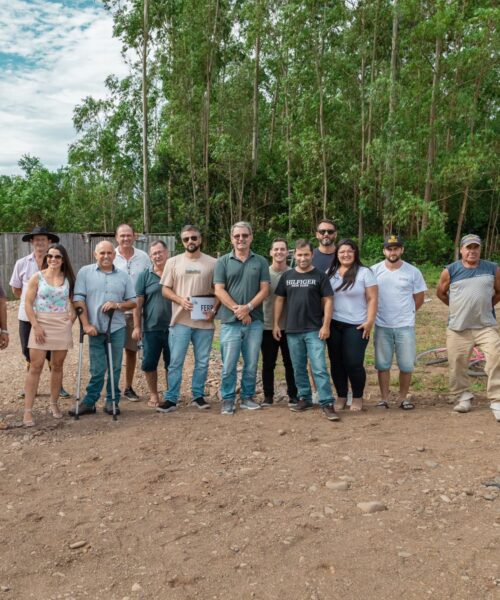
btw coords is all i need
(51, 299)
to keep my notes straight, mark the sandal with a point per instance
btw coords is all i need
(382, 404)
(28, 421)
(153, 404)
(55, 411)
(407, 405)
(357, 405)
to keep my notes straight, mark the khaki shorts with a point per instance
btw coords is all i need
(130, 344)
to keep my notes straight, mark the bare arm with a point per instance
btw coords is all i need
(16, 291)
(4, 336)
(324, 332)
(443, 287)
(84, 318)
(418, 298)
(137, 331)
(31, 291)
(243, 310)
(371, 295)
(279, 303)
(496, 297)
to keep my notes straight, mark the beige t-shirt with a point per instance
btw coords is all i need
(189, 277)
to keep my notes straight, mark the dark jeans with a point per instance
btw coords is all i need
(346, 348)
(269, 348)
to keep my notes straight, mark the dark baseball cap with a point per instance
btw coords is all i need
(392, 240)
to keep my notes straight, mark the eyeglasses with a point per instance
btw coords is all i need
(54, 256)
(241, 235)
(193, 238)
(326, 231)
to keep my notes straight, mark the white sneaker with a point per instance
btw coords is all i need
(315, 398)
(495, 407)
(464, 403)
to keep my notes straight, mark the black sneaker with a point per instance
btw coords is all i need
(292, 401)
(201, 403)
(166, 407)
(108, 409)
(301, 406)
(131, 395)
(268, 401)
(329, 412)
(83, 409)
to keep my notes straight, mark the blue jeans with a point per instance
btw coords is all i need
(98, 351)
(155, 343)
(179, 338)
(308, 345)
(399, 340)
(236, 339)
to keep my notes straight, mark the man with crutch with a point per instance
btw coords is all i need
(104, 293)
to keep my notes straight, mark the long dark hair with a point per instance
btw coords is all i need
(352, 272)
(66, 267)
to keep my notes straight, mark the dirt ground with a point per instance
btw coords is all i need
(265, 505)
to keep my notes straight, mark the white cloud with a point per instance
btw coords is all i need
(53, 55)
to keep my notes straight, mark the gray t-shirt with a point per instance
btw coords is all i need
(268, 304)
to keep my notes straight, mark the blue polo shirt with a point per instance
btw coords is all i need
(96, 287)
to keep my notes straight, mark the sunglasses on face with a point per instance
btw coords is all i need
(326, 231)
(54, 256)
(241, 235)
(193, 238)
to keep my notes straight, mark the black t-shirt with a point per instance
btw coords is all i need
(303, 293)
(321, 260)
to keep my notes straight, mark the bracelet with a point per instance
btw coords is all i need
(4, 331)
(250, 306)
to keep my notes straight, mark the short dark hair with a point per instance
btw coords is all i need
(279, 239)
(302, 243)
(190, 227)
(156, 242)
(329, 221)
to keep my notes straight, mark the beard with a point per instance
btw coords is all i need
(393, 259)
(192, 248)
(326, 241)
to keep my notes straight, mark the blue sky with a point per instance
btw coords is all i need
(53, 53)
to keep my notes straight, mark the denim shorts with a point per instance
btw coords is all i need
(155, 344)
(399, 340)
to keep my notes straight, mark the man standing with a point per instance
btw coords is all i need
(241, 281)
(40, 238)
(326, 233)
(187, 277)
(270, 346)
(152, 319)
(4, 332)
(133, 261)
(309, 299)
(471, 288)
(401, 290)
(99, 288)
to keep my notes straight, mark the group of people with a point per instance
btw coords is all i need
(327, 302)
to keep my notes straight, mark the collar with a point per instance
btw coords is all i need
(117, 250)
(113, 269)
(233, 255)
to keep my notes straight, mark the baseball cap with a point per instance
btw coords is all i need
(470, 238)
(392, 240)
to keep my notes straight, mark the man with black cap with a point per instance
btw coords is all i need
(471, 288)
(401, 290)
(40, 238)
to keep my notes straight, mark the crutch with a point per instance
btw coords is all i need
(111, 373)
(79, 311)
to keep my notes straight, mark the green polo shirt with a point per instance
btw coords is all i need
(157, 310)
(242, 282)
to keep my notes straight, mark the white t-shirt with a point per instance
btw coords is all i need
(350, 306)
(396, 306)
(136, 264)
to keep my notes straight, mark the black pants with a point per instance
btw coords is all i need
(24, 336)
(346, 348)
(269, 350)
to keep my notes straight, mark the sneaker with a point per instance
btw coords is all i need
(464, 403)
(227, 408)
(292, 401)
(131, 395)
(166, 407)
(315, 398)
(268, 401)
(301, 406)
(495, 407)
(108, 409)
(249, 404)
(83, 409)
(64, 394)
(201, 403)
(329, 412)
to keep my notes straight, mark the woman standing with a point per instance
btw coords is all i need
(49, 309)
(355, 293)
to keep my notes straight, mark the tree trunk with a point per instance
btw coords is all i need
(145, 182)
(319, 79)
(463, 209)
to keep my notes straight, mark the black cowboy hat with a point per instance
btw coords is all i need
(41, 231)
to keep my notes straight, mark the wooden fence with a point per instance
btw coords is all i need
(80, 247)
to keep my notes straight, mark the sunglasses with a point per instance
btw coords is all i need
(54, 256)
(241, 235)
(326, 231)
(193, 238)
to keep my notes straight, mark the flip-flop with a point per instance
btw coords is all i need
(407, 405)
(153, 404)
(382, 404)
